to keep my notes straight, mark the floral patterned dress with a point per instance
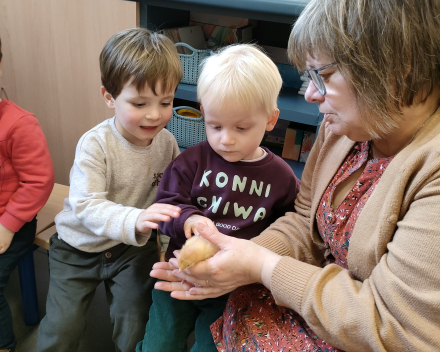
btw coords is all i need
(252, 321)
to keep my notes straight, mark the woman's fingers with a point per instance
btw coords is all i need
(189, 278)
(210, 292)
(212, 235)
(164, 266)
(163, 271)
(172, 286)
(163, 275)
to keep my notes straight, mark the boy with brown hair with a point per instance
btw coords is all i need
(105, 229)
(26, 180)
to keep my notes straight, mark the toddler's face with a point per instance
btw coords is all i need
(141, 115)
(235, 132)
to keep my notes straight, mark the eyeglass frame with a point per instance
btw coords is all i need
(316, 71)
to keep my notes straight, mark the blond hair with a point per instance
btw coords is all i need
(388, 50)
(240, 74)
(141, 57)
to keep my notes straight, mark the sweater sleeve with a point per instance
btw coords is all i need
(290, 234)
(175, 189)
(89, 201)
(32, 162)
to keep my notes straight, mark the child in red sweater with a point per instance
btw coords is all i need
(26, 180)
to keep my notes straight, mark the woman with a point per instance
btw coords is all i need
(356, 268)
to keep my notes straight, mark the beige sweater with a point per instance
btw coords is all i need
(111, 182)
(389, 298)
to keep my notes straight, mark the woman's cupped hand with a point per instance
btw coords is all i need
(239, 262)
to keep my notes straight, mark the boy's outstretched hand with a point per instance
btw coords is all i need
(190, 226)
(155, 213)
(6, 236)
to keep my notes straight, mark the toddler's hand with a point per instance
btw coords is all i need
(149, 218)
(190, 225)
(162, 257)
(6, 236)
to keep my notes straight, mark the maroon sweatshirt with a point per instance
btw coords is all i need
(241, 198)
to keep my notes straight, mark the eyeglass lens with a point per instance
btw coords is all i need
(317, 81)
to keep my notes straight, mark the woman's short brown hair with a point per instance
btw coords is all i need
(388, 50)
(141, 57)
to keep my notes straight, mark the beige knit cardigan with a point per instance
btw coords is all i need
(389, 298)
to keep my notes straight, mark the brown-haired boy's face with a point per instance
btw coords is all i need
(140, 116)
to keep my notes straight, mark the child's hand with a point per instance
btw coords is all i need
(149, 218)
(162, 257)
(6, 236)
(190, 225)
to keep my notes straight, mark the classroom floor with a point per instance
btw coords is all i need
(98, 336)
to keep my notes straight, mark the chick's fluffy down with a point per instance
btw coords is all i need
(195, 249)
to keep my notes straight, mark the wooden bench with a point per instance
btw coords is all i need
(45, 230)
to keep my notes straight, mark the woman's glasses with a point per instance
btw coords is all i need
(313, 75)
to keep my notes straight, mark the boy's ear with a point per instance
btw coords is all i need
(107, 98)
(201, 110)
(273, 118)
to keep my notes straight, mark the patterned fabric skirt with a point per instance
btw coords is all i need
(253, 322)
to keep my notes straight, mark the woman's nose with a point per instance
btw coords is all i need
(312, 94)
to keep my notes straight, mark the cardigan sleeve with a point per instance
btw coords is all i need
(289, 235)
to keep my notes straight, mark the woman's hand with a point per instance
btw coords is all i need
(239, 262)
(190, 226)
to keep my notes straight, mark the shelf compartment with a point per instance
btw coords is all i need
(292, 105)
(284, 11)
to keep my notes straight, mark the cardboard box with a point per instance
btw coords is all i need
(292, 144)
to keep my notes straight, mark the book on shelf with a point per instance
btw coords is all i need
(216, 35)
(290, 140)
(275, 138)
(306, 146)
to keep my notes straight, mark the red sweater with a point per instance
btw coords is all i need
(26, 171)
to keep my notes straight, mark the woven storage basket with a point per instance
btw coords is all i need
(191, 63)
(187, 130)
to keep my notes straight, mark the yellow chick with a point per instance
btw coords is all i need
(195, 249)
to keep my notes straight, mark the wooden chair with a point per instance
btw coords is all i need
(45, 230)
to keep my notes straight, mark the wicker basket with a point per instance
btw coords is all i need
(191, 63)
(187, 130)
